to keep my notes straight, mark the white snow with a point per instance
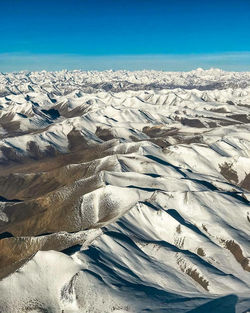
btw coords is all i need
(173, 225)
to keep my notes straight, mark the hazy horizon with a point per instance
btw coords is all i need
(11, 62)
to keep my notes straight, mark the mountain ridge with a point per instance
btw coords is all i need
(140, 195)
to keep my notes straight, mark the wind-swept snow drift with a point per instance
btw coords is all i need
(124, 192)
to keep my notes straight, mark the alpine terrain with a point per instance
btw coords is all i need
(125, 192)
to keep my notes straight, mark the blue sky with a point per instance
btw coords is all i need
(138, 34)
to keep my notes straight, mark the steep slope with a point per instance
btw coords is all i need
(140, 179)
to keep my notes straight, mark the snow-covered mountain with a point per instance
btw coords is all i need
(125, 191)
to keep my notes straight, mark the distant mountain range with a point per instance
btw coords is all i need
(125, 191)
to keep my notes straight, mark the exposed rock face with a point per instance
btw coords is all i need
(144, 185)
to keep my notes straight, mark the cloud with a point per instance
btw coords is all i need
(12, 62)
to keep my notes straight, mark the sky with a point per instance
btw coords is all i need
(118, 34)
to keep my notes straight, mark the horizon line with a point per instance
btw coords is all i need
(234, 61)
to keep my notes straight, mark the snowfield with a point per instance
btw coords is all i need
(125, 192)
